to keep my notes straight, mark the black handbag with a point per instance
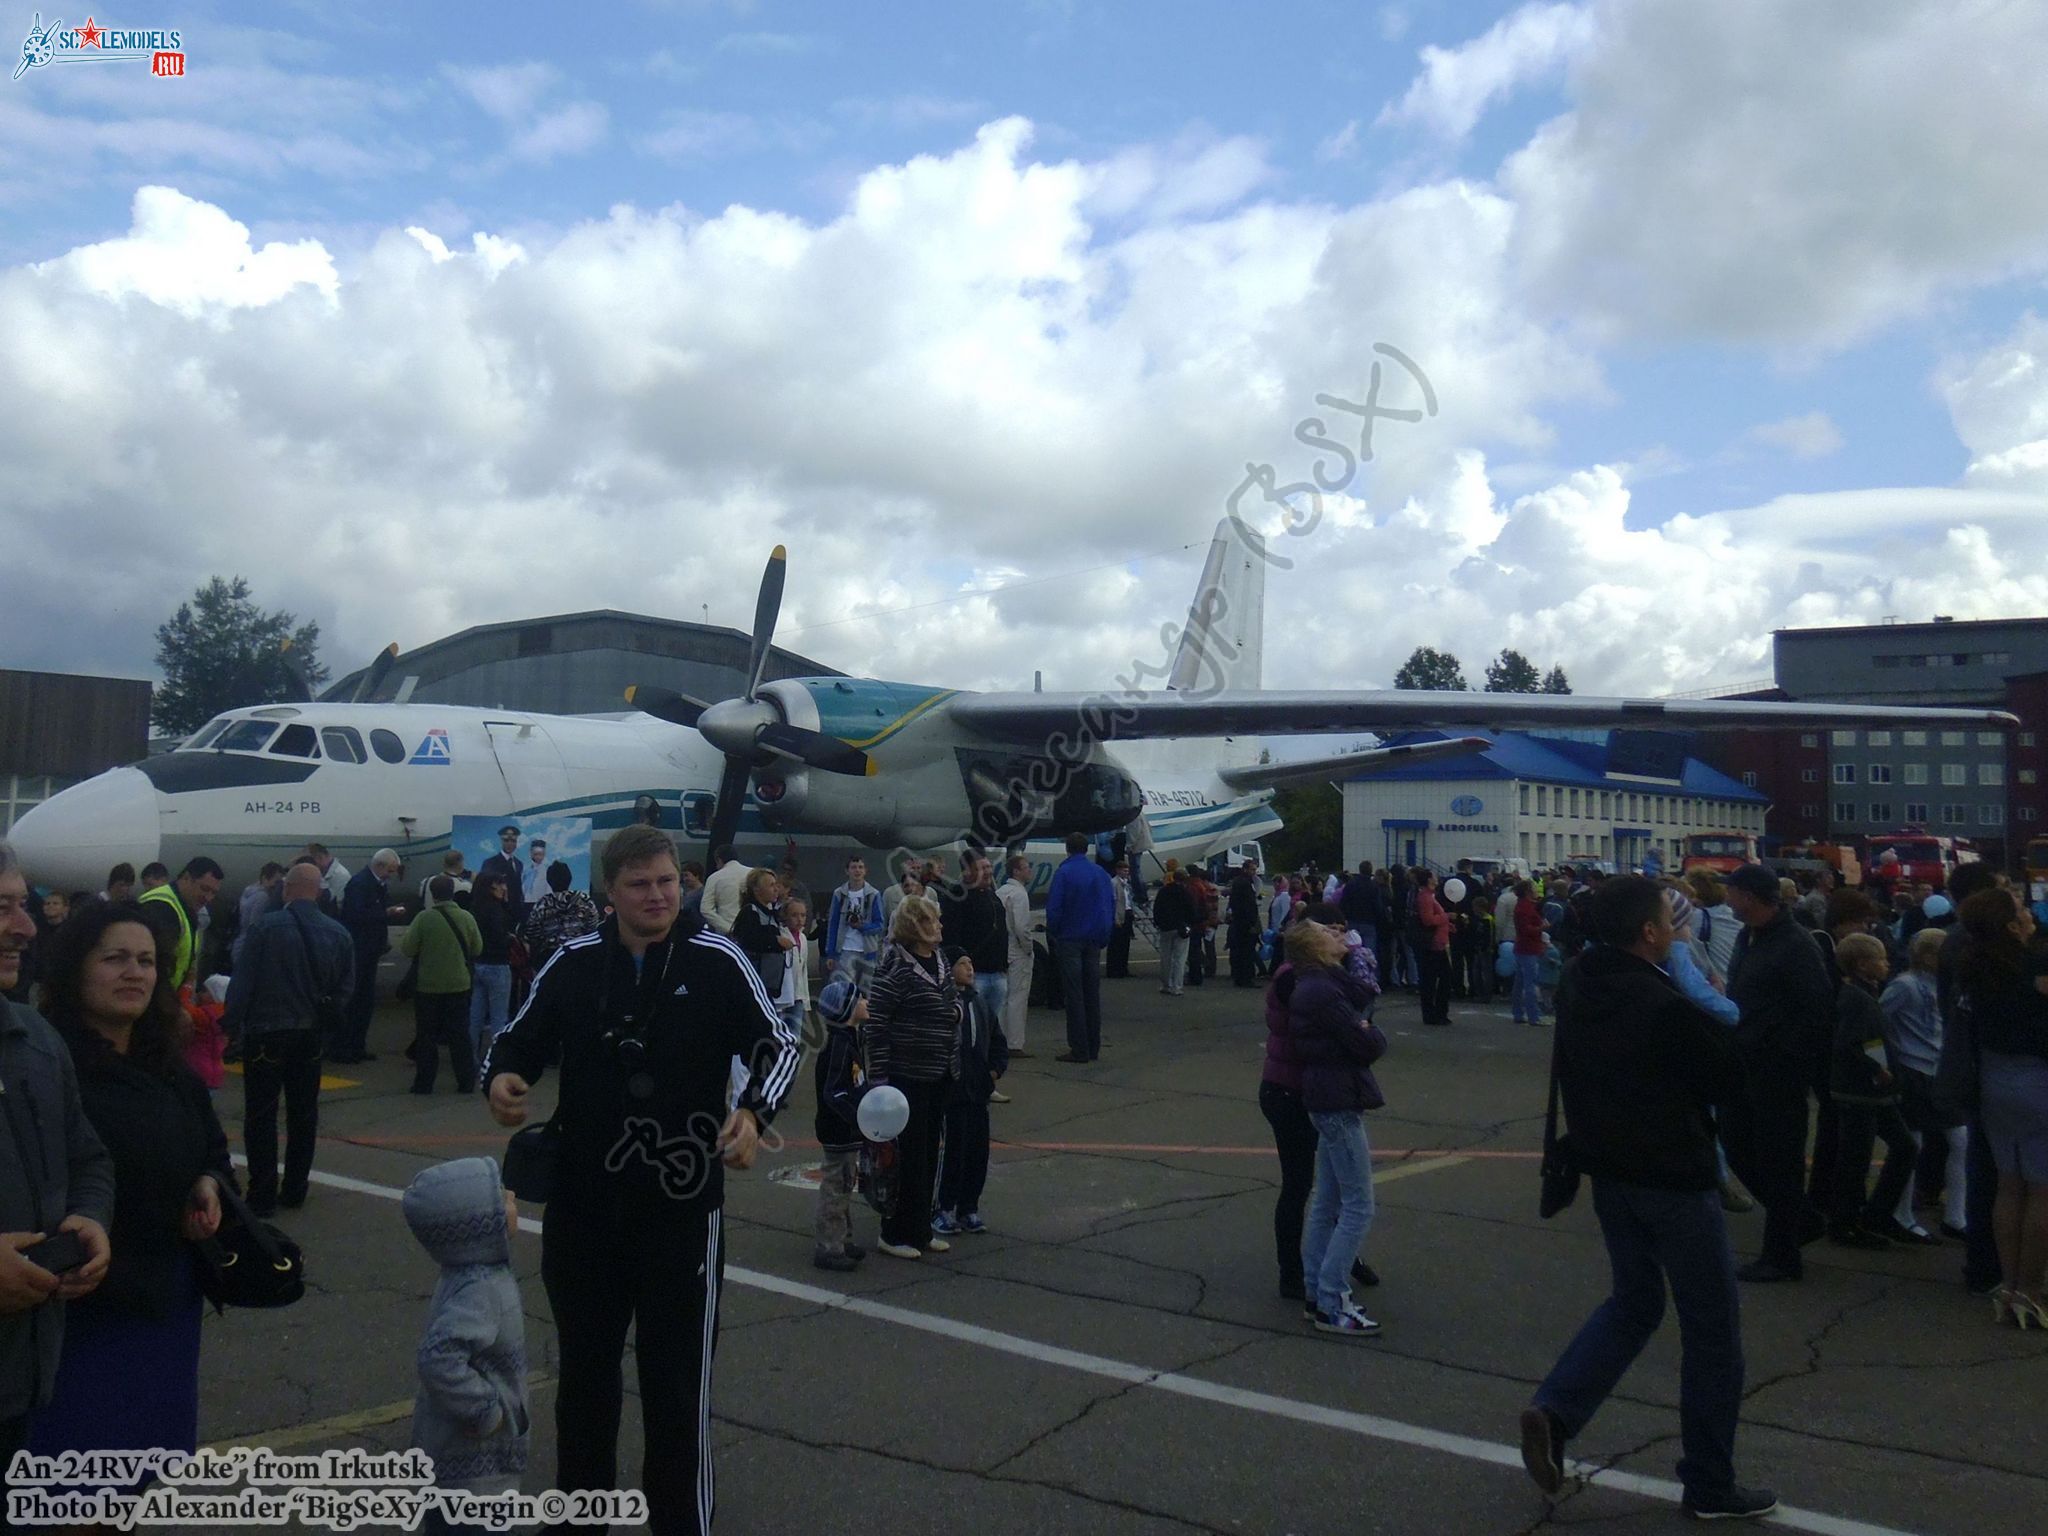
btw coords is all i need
(1560, 1161)
(531, 1157)
(248, 1262)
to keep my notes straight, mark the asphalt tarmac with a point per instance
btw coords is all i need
(1113, 1357)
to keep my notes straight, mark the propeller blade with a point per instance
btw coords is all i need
(766, 607)
(816, 749)
(295, 669)
(373, 677)
(666, 704)
(732, 799)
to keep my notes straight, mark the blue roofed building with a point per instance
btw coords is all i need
(1618, 798)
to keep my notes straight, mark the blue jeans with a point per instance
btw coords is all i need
(1654, 1235)
(490, 1001)
(1339, 1211)
(1528, 1002)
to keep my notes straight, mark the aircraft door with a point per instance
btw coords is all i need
(529, 762)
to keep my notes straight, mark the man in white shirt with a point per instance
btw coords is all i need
(1015, 895)
(333, 873)
(726, 891)
(534, 878)
(451, 866)
(1117, 961)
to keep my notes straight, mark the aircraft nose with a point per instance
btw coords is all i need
(71, 840)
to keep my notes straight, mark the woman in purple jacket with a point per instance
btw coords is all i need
(1334, 1049)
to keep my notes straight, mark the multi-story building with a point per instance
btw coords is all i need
(1608, 797)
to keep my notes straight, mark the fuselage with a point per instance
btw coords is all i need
(259, 784)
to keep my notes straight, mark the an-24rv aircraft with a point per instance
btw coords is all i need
(828, 765)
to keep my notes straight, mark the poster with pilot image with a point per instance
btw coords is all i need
(527, 845)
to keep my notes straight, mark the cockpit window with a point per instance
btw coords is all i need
(343, 745)
(247, 736)
(212, 729)
(296, 741)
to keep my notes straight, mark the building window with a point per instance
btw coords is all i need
(2028, 813)
(1606, 804)
(1952, 738)
(1575, 802)
(1845, 810)
(1990, 773)
(1525, 847)
(1990, 815)
(1913, 738)
(1879, 738)
(1749, 777)
(1806, 776)
(1955, 773)
(1635, 807)
(2026, 738)
(1809, 740)
(1809, 812)
(1522, 799)
(1916, 813)
(2028, 776)
(1990, 738)
(1542, 847)
(1954, 815)
(1916, 773)
(1542, 800)
(1881, 812)
(1844, 738)
(1845, 773)
(1880, 773)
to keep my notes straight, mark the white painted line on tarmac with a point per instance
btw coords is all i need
(1368, 1425)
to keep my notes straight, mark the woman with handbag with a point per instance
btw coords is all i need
(128, 1376)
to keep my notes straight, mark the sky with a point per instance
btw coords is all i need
(1692, 322)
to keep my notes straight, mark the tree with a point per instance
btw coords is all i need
(1429, 668)
(1554, 681)
(1314, 830)
(1512, 672)
(220, 651)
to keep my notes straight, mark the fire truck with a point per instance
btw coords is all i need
(1921, 855)
(1720, 852)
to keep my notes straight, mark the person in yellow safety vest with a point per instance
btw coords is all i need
(174, 910)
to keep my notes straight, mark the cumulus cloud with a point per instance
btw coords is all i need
(1797, 175)
(1049, 366)
(1457, 85)
(1811, 436)
(516, 95)
(1999, 403)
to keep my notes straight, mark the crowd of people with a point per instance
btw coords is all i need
(1707, 1031)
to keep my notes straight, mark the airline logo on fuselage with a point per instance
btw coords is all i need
(433, 749)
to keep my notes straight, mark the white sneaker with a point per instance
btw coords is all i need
(939, 1245)
(999, 1097)
(899, 1250)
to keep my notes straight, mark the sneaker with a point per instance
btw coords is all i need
(898, 1250)
(1733, 1504)
(1543, 1448)
(1351, 1322)
(944, 1225)
(938, 1245)
(839, 1263)
(973, 1225)
(999, 1097)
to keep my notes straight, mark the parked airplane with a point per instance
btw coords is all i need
(825, 765)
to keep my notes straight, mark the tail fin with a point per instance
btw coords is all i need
(1224, 642)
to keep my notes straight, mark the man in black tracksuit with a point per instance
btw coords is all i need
(1640, 1070)
(648, 1013)
(1780, 982)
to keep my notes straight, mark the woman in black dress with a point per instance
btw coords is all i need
(128, 1376)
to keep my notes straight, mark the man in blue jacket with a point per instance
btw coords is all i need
(1079, 918)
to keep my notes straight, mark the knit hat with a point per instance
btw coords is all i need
(837, 1000)
(1681, 908)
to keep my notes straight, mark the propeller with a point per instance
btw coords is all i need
(374, 675)
(750, 730)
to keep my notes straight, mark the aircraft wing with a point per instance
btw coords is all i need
(1348, 765)
(1035, 718)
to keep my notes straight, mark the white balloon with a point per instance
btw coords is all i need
(883, 1113)
(1454, 889)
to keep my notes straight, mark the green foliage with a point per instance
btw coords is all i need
(1554, 681)
(220, 651)
(1512, 672)
(1314, 834)
(1431, 669)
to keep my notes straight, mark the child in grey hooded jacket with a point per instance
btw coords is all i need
(471, 1412)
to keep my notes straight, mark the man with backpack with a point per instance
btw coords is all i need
(289, 990)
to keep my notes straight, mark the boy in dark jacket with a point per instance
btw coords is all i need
(839, 1081)
(984, 1057)
(1641, 1069)
(1866, 1096)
